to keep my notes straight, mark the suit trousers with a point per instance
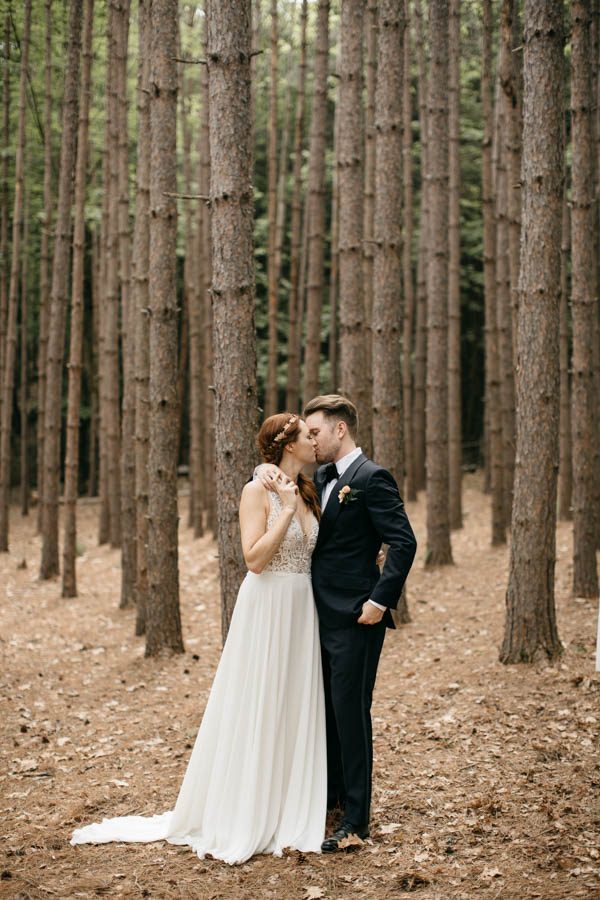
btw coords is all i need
(350, 657)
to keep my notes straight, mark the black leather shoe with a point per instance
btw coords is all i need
(344, 830)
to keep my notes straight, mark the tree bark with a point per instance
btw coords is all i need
(353, 323)
(163, 621)
(315, 208)
(45, 259)
(4, 215)
(292, 401)
(454, 385)
(421, 305)
(104, 517)
(334, 265)
(23, 363)
(387, 260)
(530, 626)
(59, 298)
(492, 383)
(438, 523)
(141, 301)
(127, 475)
(565, 464)
(69, 580)
(10, 353)
(410, 490)
(271, 402)
(370, 53)
(586, 454)
(233, 283)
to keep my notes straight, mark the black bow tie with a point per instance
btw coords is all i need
(331, 473)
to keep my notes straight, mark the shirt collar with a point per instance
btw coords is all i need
(347, 460)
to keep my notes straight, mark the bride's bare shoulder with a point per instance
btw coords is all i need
(254, 493)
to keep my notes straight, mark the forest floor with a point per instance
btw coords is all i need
(486, 777)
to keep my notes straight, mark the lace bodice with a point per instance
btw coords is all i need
(295, 551)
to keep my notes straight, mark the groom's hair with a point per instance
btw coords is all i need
(334, 406)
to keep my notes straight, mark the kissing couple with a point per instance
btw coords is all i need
(286, 734)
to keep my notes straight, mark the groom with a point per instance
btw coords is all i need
(361, 510)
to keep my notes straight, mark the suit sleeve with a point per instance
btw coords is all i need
(390, 521)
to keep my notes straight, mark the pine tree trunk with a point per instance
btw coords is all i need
(45, 260)
(233, 285)
(193, 287)
(454, 385)
(93, 367)
(353, 324)
(69, 582)
(586, 454)
(59, 298)
(315, 208)
(334, 266)
(104, 517)
(565, 465)
(387, 260)
(10, 354)
(370, 53)
(503, 268)
(207, 256)
(127, 475)
(4, 215)
(271, 401)
(112, 407)
(421, 306)
(292, 401)
(492, 383)
(23, 362)
(530, 628)
(141, 249)
(163, 621)
(438, 523)
(410, 490)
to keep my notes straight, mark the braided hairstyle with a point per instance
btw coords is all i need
(275, 433)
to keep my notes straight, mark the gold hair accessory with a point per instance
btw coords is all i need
(280, 436)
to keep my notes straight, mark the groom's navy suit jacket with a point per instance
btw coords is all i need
(344, 569)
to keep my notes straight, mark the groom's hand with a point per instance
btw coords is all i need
(370, 615)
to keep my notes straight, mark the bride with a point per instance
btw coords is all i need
(256, 781)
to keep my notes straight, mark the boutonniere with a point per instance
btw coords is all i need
(348, 494)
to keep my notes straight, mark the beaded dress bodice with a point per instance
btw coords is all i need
(295, 551)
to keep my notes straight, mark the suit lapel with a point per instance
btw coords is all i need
(333, 507)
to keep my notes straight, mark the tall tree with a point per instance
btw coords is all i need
(410, 490)
(565, 464)
(59, 297)
(387, 268)
(334, 264)
(24, 362)
(128, 514)
(69, 583)
(140, 299)
(421, 298)
(315, 206)
(8, 375)
(530, 627)
(586, 454)
(492, 383)
(4, 197)
(353, 324)
(370, 55)
(438, 523)
(233, 291)
(273, 288)
(454, 385)
(45, 256)
(163, 621)
(292, 401)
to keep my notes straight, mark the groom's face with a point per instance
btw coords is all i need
(325, 437)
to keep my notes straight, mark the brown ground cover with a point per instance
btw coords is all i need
(486, 778)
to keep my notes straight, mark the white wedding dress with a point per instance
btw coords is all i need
(256, 781)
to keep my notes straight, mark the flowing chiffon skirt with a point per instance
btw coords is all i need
(256, 781)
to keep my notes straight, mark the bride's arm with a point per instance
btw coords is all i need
(260, 545)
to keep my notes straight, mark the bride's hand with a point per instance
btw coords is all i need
(269, 474)
(288, 494)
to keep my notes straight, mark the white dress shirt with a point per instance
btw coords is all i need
(341, 465)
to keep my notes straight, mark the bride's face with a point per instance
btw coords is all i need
(304, 449)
